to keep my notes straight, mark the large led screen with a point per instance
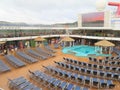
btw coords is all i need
(95, 19)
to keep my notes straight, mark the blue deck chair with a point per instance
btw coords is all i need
(90, 59)
(100, 61)
(76, 62)
(110, 84)
(83, 70)
(77, 68)
(95, 72)
(114, 69)
(21, 86)
(74, 76)
(95, 82)
(116, 76)
(102, 74)
(95, 66)
(95, 60)
(67, 66)
(61, 73)
(77, 88)
(103, 83)
(71, 67)
(56, 84)
(109, 75)
(106, 62)
(84, 64)
(81, 79)
(89, 65)
(101, 67)
(107, 68)
(80, 63)
(62, 85)
(31, 86)
(71, 61)
(69, 87)
(17, 81)
(68, 75)
(87, 81)
(88, 71)
(68, 60)
(51, 80)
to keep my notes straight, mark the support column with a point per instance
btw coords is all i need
(101, 50)
(69, 44)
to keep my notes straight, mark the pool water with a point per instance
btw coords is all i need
(83, 50)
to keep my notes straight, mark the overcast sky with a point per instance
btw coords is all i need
(46, 11)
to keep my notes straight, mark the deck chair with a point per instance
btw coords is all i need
(95, 66)
(74, 77)
(95, 82)
(108, 75)
(95, 60)
(71, 67)
(101, 74)
(80, 63)
(62, 86)
(110, 84)
(69, 87)
(103, 83)
(116, 76)
(114, 69)
(100, 61)
(83, 70)
(71, 61)
(50, 81)
(75, 62)
(95, 72)
(90, 59)
(89, 65)
(56, 84)
(77, 68)
(81, 79)
(88, 71)
(84, 64)
(87, 81)
(106, 62)
(101, 67)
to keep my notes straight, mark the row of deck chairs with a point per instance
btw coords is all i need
(44, 52)
(105, 62)
(90, 72)
(53, 83)
(93, 66)
(26, 57)
(112, 58)
(14, 61)
(36, 55)
(21, 84)
(48, 48)
(3, 67)
(80, 79)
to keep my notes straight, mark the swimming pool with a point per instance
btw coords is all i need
(83, 50)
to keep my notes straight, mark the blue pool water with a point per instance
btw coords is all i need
(83, 50)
